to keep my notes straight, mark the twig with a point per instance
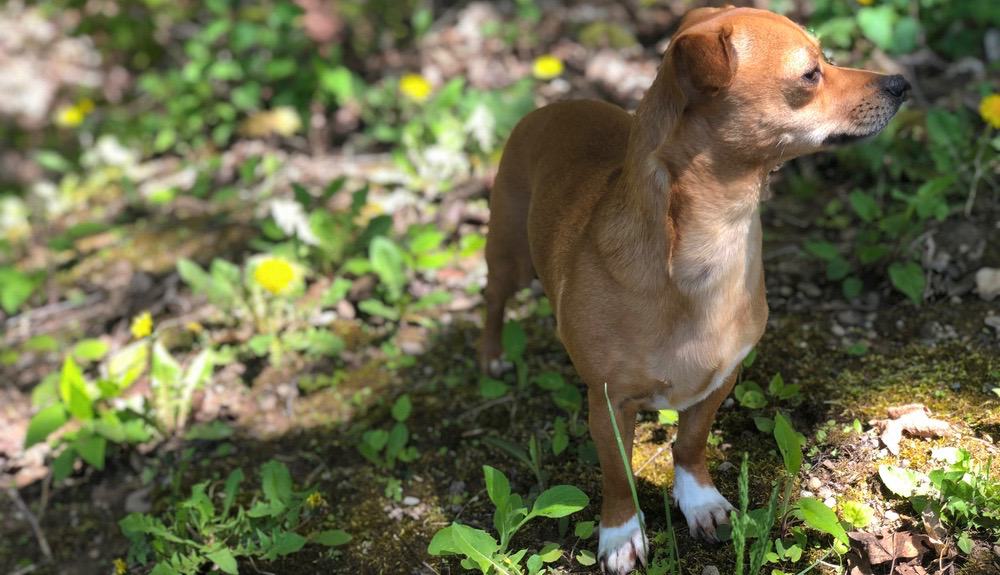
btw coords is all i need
(487, 405)
(254, 565)
(650, 460)
(43, 543)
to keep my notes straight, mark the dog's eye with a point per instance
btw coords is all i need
(812, 76)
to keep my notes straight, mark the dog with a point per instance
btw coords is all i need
(645, 232)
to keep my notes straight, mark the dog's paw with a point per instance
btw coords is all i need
(702, 505)
(498, 366)
(621, 547)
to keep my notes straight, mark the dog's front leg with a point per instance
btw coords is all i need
(702, 504)
(622, 542)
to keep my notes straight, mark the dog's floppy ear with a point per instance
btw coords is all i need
(705, 62)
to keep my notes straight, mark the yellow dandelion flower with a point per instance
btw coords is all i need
(415, 87)
(989, 109)
(69, 116)
(274, 274)
(85, 105)
(121, 568)
(142, 325)
(315, 500)
(194, 327)
(547, 67)
(866, 2)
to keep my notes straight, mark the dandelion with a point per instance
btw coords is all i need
(73, 116)
(866, 2)
(194, 327)
(142, 325)
(274, 275)
(547, 67)
(121, 568)
(415, 87)
(989, 109)
(315, 500)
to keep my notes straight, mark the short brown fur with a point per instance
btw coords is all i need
(644, 228)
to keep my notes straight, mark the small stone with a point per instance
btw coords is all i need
(891, 515)
(988, 283)
(815, 483)
(710, 570)
(725, 466)
(410, 501)
(830, 502)
(805, 493)
(810, 290)
(825, 492)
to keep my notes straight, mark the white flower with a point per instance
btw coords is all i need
(481, 125)
(14, 224)
(292, 220)
(108, 151)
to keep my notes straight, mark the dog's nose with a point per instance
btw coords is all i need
(895, 86)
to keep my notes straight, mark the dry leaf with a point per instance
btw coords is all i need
(282, 121)
(890, 546)
(914, 419)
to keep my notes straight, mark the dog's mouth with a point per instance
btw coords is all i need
(844, 139)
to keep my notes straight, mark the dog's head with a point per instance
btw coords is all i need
(760, 84)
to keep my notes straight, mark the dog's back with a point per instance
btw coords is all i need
(557, 163)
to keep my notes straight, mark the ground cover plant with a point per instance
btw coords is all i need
(241, 257)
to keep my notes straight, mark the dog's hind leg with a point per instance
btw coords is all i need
(508, 259)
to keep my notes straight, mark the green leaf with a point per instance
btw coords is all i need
(584, 529)
(789, 443)
(276, 481)
(388, 263)
(44, 423)
(478, 546)
(491, 388)
(965, 543)
(857, 514)
(822, 250)
(877, 23)
(443, 542)
(73, 391)
(822, 518)
(331, 538)
(586, 558)
(497, 486)
(62, 465)
(288, 542)
(908, 278)
(513, 340)
(864, 205)
(668, 416)
(401, 408)
(90, 349)
(231, 489)
(549, 381)
(901, 481)
(224, 560)
(91, 448)
(559, 501)
(377, 308)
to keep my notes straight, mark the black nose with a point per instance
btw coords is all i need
(895, 86)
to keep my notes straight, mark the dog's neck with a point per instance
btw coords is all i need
(691, 206)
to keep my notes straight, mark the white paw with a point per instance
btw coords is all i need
(498, 367)
(702, 505)
(620, 547)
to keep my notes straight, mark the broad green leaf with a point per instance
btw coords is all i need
(908, 278)
(288, 542)
(584, 529)
(789, 443)
(166, 372)
(62, 465)
(513, 340)
(276, 481)
(224, 560)
(478, 546)
(559, 501)
(73, 391)
(231, 489)
(331, 538)
(127, 365)
(550, 381)
(90, 349)
(402, 407)
(497, 486)
(388, 263)
(91, 448)
(857, 514)
(668, 416)
(443, 542)
(491, 388)
(822, 518)
(877, 24)
(822, 250)
(44, 423)
(901, 481)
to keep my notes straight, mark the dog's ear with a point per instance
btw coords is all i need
(705, 62)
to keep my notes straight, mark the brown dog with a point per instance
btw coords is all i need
(644, 230)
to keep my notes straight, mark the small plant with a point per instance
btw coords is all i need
(751, 395)
(482, 551)
(514, 341)
(385, 448)
(211, 528)
(531, 458)
(963, 494)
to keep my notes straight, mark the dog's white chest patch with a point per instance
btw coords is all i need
(663, 401)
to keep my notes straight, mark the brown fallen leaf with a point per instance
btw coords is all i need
(891, 546)
(914, 419)
(907, 569)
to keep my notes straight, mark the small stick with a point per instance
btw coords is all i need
(43, 543)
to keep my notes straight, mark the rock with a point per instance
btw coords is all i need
(710, 570)
(410, 501)
(891, 515)
(725, 466)
(988, 283)
(830, 502)
(815, 483)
